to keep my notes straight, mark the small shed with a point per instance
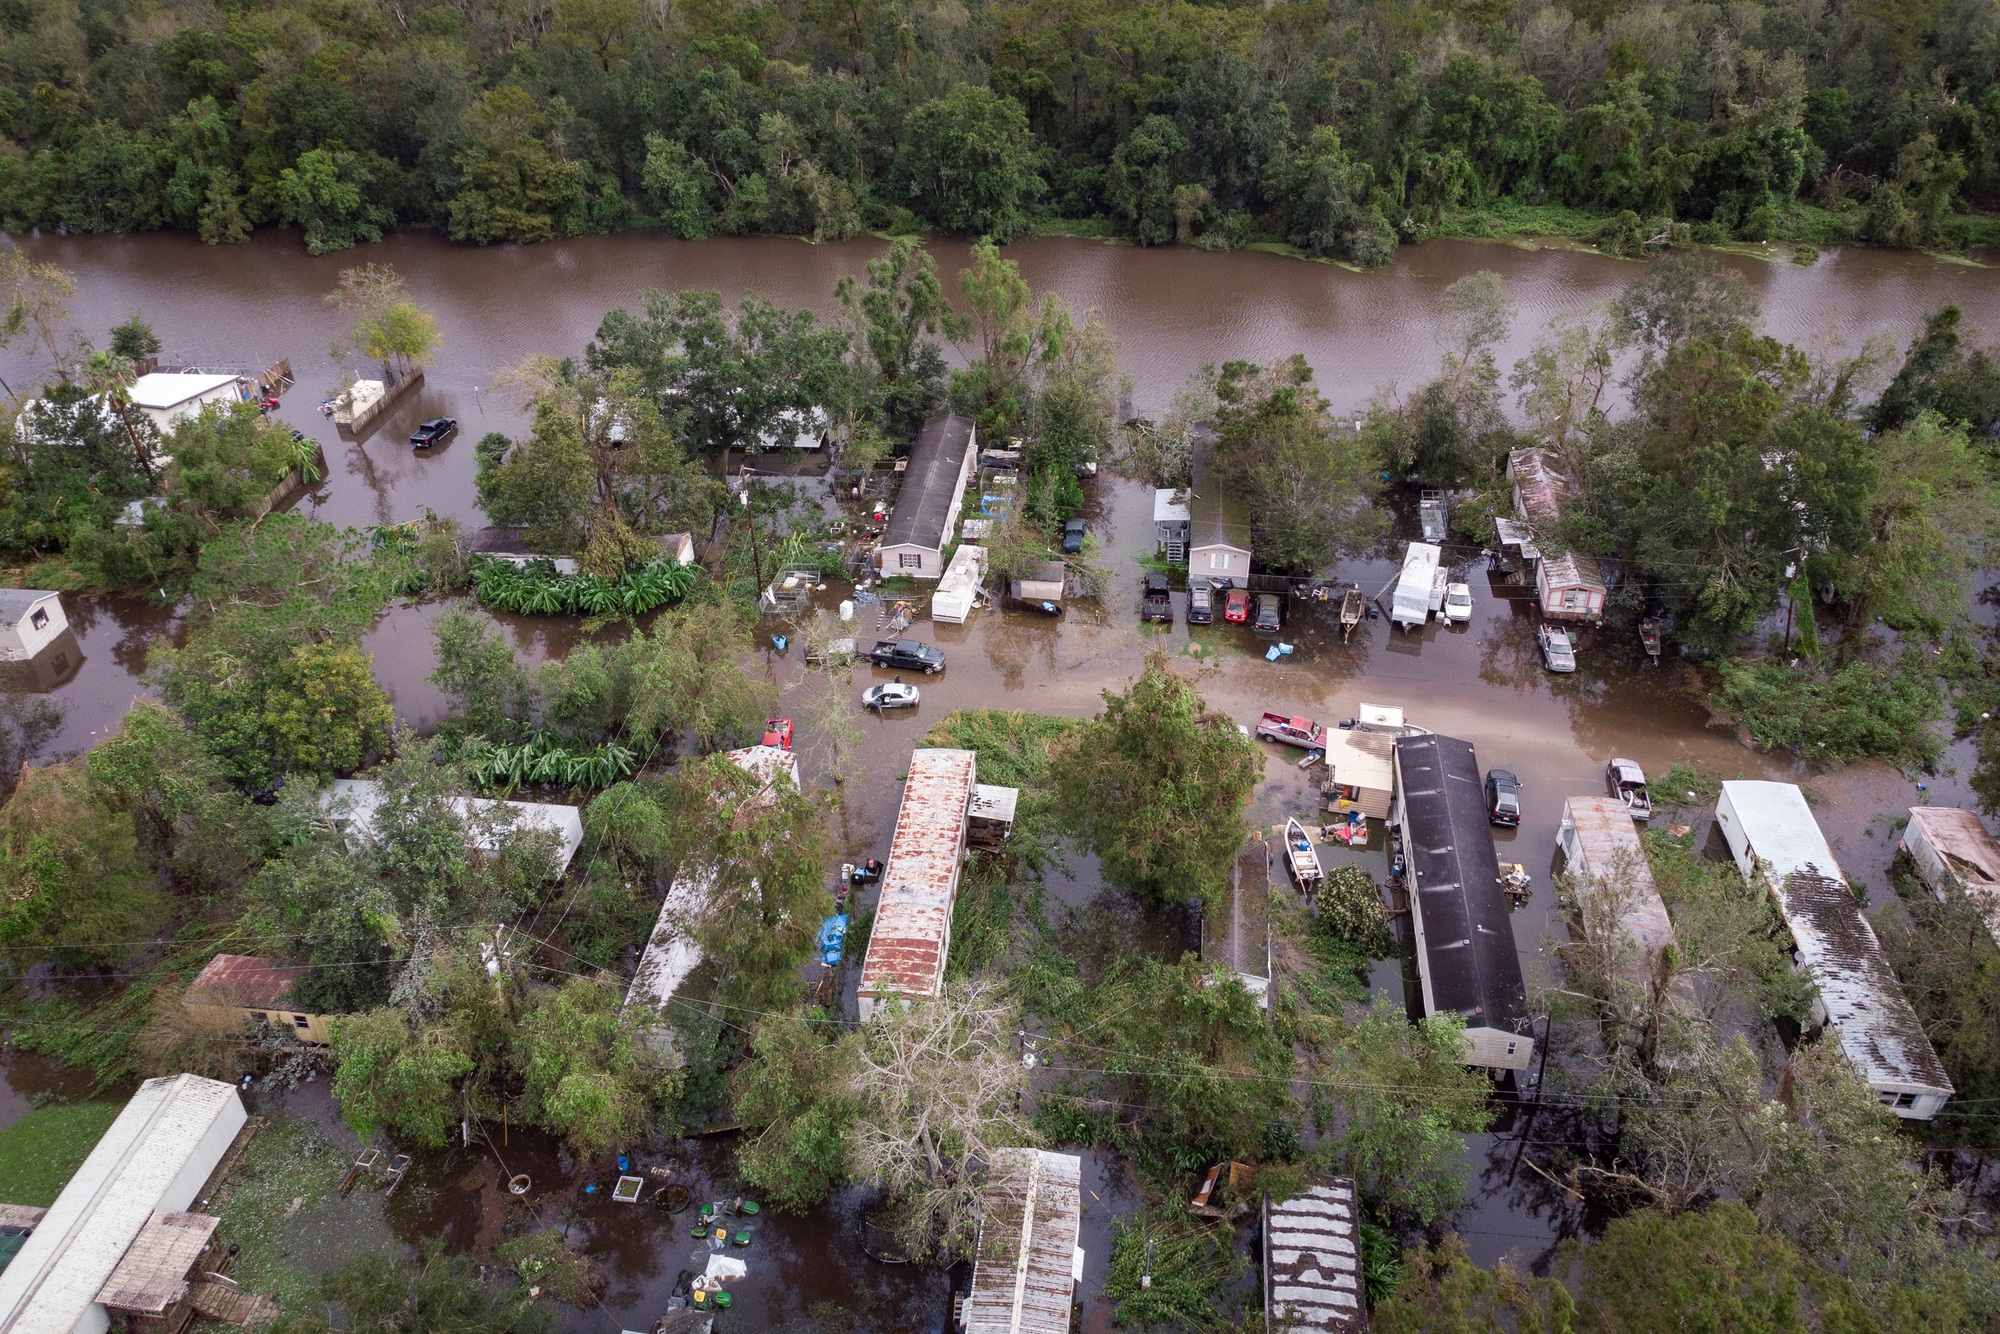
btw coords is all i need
(1514, 545)
(1044, 585)
(1312, 1260)
(1613, 883)
(1570, 587)
(1170, 522)
(31, 619)
(1466, 958)
(167, 397)
(258, 991)
(912, 933)
(1026, 1262)
(958, 591)
(1218, 520)
(150, 1291)
(1952, 847)
(990, 818)
(941, 466)
(1361, 771)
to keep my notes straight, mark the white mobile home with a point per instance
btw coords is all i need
(1411, 604)
(1026, 1263)
(31, 619)
(1466, 958)
(353, 802)
(941, 466)
(1218, 521)
(1952, 847)
(912, 933)
(154, 1160)
(1772, 835)
(959, 589)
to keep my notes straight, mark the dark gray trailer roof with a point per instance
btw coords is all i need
(930, 483)
(1454, 878)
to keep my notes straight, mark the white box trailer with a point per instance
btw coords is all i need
(959, 588)
(1411, 604)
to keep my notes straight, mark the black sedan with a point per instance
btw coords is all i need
(1072, 538)
(434, 432)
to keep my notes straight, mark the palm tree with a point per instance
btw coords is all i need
(111, 375)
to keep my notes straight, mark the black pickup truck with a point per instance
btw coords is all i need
(907, 655)
(1157, 602)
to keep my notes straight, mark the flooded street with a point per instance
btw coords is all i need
(1174, 309)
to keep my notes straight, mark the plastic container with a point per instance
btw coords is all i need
(847, 610)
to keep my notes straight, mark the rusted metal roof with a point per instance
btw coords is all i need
(153, 1273)
(1569, 570)
(1024, 1266)
(906, 948)
(1864, 1003)
(1538, 492)
(1603, 850)
(1312, 1261)
(244, 981)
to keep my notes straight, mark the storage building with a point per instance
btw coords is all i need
(168, 397)
(1026, 1263)
(255, 990)
(1601, 851)
(1361, 769)
(959, 588)
(31, 619)
(1466, 959)
(1312, 1261)
(912, 932)
(1218, 522)
(1951, 847)
(672, 953)
(1046, 584)
(352, 802)
(1772, 835)
(154, 1162)
(1170, 523)
(941, 466)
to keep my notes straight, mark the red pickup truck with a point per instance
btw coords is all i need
(1303, 732)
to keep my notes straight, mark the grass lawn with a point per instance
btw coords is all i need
(41, 1152)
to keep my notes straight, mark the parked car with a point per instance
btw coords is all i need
(1201, 602)
(1557, 651)
(1236, 606)
(1267, 614)
(1503, 797)
(1072, 541)
(1301, 732)
(1157, 603)
(889, 695)
(1627, 782)
(1458, 603)
(777, 732)
(434, 432)
(907, 655)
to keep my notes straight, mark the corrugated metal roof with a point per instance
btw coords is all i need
(1312, 1261)
(672, 953)
(156, 1155)
(1538, 491)
(1569, 570)
(1608, 851)
(1024, 1265)
(930, 483)
(1959, 835)
(1468, 962)
(245, 981)
(153, 1273)
(1864, 1003)
(906, 948)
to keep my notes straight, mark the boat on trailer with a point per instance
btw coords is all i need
(1302, 857)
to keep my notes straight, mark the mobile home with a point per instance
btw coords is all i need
(1312, 1260)
(1952, 847)
(1218, 521)
(1772, 835)
(1411, 606)
(1466, 958)
(959, 589)
(912, 933)
(1603, 855)
(1026, 1262)
(941, 465)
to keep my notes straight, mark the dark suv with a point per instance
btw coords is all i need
(907, 655)
(1072, 539)
(1503, 797)
(1201, 602)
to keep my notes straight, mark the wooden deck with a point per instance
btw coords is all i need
(232, 1305)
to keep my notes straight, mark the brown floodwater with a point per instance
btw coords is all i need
(1173, 310)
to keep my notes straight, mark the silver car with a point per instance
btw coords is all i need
(1557, 651)
(889, 695)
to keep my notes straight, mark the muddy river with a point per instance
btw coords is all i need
(1173, 311)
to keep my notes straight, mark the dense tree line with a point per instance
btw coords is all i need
(1341, 128)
